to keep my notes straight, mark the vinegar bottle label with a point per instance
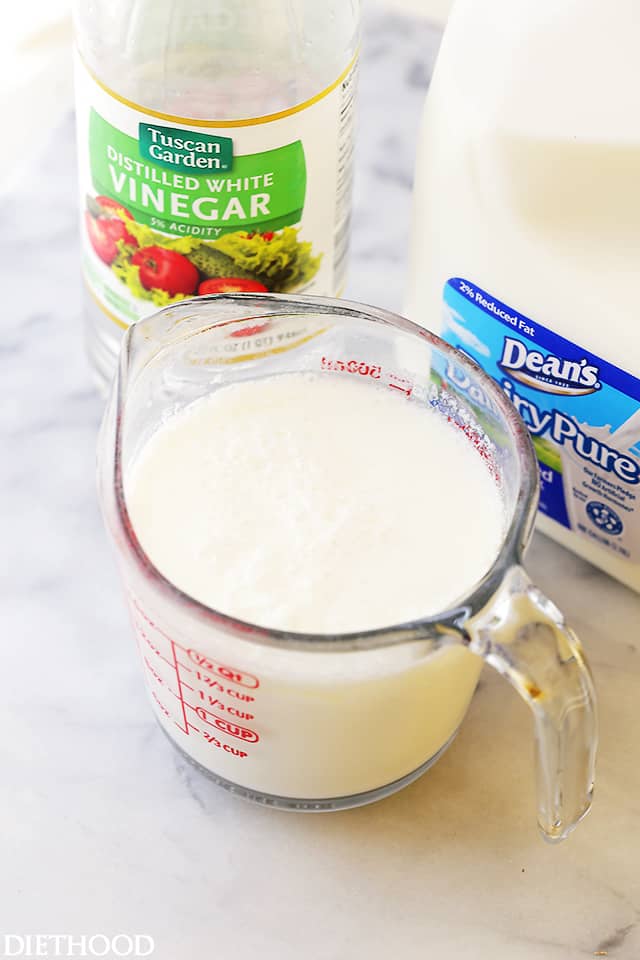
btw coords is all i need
(174, 207)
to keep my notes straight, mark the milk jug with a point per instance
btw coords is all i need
(526, 245)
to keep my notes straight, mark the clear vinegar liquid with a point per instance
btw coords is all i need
(208, 59)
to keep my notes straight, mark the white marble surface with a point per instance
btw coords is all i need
(106, 830)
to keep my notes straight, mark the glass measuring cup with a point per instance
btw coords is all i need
(320, 722)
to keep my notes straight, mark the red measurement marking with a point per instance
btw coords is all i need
(220, 687)
(226, 726)
(245, 697)
(155, 650)
(180, 696)
(212, 701)
(141, 633)
(154, 673)
(160, 704)
(231, 674)
(148, 619)
(234, 751)
(360, 367)
(402, 384)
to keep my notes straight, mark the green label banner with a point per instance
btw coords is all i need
(187, 150)
(262, 191)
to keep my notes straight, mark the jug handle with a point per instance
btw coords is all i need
(524, 637)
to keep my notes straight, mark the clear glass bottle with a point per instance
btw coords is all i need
(214, 147)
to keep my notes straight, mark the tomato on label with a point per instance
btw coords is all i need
(166, 270)
(104, 233)
(108, 204)
(250, 331)
(231, 285)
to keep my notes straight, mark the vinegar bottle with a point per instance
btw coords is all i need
(214, 147)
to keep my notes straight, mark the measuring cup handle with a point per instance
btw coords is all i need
(524, 636)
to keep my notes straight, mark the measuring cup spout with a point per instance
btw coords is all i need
(523, 636)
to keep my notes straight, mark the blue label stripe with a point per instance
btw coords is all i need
(553, 342)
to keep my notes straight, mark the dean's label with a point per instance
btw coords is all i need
(583, 414)
(173, 208)
(546, 372)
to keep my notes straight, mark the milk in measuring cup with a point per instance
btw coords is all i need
(526, 244)
(320, 505)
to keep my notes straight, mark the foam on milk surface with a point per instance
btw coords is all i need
(315, 504)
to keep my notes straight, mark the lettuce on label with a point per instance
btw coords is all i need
(276, 260)
(214, 264)
(279, 260)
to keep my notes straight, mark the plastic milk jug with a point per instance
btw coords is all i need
(526, 244)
